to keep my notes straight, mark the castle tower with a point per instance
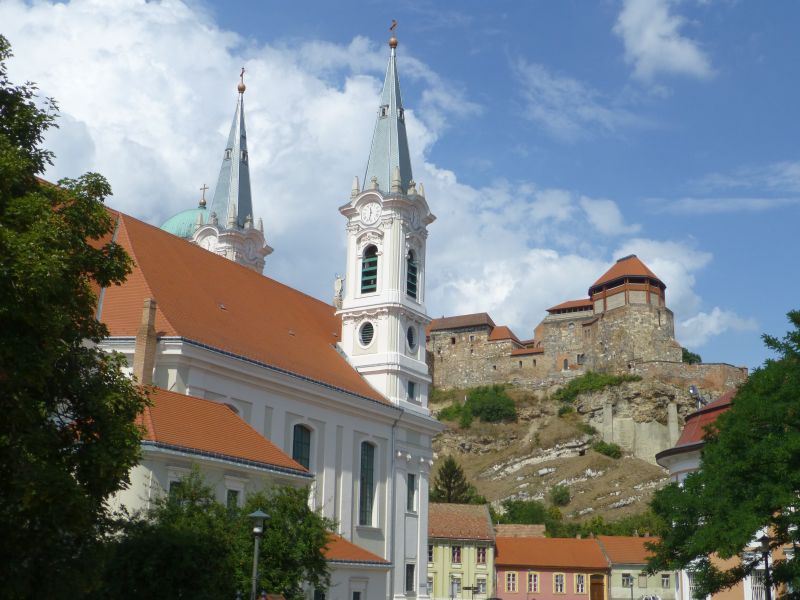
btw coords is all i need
(227, 228)
(383, 302)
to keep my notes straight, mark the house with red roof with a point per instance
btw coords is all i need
(628, 556)
(551, 569)
(460, 551)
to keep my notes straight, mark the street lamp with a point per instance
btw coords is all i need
(764, 539)
(258, 517)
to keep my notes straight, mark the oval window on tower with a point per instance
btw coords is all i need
(366, 333)
(411, 336)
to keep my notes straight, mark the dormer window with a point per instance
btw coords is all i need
(384, 110)
(401, 114)
(244, 156)
(228, 153)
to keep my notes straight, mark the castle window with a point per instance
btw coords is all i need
(471, 338)
(366, 333)
(411, 337)
(301, 445)
(566, 364)
(494, 367)
(369, 270)
(534, 362)
(411, 275)
(366, 488)
(520, 364)
(581, 359)
(452, 341)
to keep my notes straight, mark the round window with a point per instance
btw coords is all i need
(411, 336)
(366, 333)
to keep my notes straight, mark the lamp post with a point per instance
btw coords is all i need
(764, 539)
(258, 517)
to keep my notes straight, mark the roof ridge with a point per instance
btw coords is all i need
(132, 252)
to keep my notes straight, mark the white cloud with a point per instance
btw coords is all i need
(707, 206)
(606, 217)
(782, 177)
(139, 107)
(567, 108)
(653, 41)
(695, 331)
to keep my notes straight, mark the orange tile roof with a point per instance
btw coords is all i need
(459, 521)
(339, 549)
(628, 550)
(549, 552)
(629, 266)
(209, 428)
(211, 300)
(473, 320)
(501, 332)
(516, 530)
(695, 429)
(583, 303)
(526, 351)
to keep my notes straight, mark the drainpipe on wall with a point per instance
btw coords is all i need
(144, 353)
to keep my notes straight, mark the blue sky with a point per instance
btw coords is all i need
(552, 138)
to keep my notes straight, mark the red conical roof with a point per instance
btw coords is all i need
(629, 266)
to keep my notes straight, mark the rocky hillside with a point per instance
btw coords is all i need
(524, 460)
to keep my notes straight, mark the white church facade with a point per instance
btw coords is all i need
(340, 390)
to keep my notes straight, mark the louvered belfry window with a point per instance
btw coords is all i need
(369, 270)
(411, 275)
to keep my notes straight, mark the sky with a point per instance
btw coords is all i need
(552, 138)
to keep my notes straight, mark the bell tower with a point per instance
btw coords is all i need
(383, 299)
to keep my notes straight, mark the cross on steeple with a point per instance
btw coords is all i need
(203, 198)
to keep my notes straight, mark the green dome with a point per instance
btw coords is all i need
(183, 224)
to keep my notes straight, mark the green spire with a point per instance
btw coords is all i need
(389, 151)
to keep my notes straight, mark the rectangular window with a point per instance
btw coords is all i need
(369, 270)
(627, 580)
(533, 582)
(232, 499)
(480, 583)
(665, 580)
(430, 552)
(455, 587)
(356, 595)
(511, 582)
(367, 484)
(319, 595)
(472, 338)
(411, 492)
(175, 486)
(580, 583)
(642, 580)
(411, 277)
(481, 552)
(410, 587)
(558, 583)
(430, 585)
(412, 390)
(301, 445)
(455, 554)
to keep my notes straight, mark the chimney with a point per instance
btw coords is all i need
(144, 354)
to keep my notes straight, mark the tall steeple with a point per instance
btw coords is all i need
(389, 151)
(232, 195)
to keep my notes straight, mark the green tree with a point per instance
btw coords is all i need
(749, 480)
(68, 436)
(451, 486)
(559, 495)
(690, 357)
(190, 546)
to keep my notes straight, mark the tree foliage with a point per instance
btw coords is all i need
(609, 449)
(559, 495)
(749, 480)
(590, 382)
(450, 485)
(68, 436)
(190, 546)
(489, 403)
(690, 357)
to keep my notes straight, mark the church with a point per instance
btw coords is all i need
(260, 384)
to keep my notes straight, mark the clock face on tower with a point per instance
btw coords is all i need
(370, 213)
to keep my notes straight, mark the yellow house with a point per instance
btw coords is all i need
(460, 552)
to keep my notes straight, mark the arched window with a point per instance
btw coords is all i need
(566, 364)
(301, 445)
(369, 270)
(366, 492)
(411, 275)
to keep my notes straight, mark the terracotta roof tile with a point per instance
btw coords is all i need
(695, 429)
(473, 320)
(627, 266)
(339, 549)
(459, 521)
(208, 427)
(501, 332)
(583, 303)
(549, 552)
(211, 300)
(516, 530)
(526, 351)
(629, 550)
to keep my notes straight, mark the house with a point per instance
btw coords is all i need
(627, 556)
(340, 389)
(550, 569)
(460, 551)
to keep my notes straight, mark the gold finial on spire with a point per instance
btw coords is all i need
(242, 86)
(202, 202)
(393, 39)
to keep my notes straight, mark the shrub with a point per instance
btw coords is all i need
(450, 413)
(587, 429)
(590, 382)
(491, 404)
(565, 409)
(559, 495)
(465, 421)
(608, 448)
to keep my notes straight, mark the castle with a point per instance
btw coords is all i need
(623, 326)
